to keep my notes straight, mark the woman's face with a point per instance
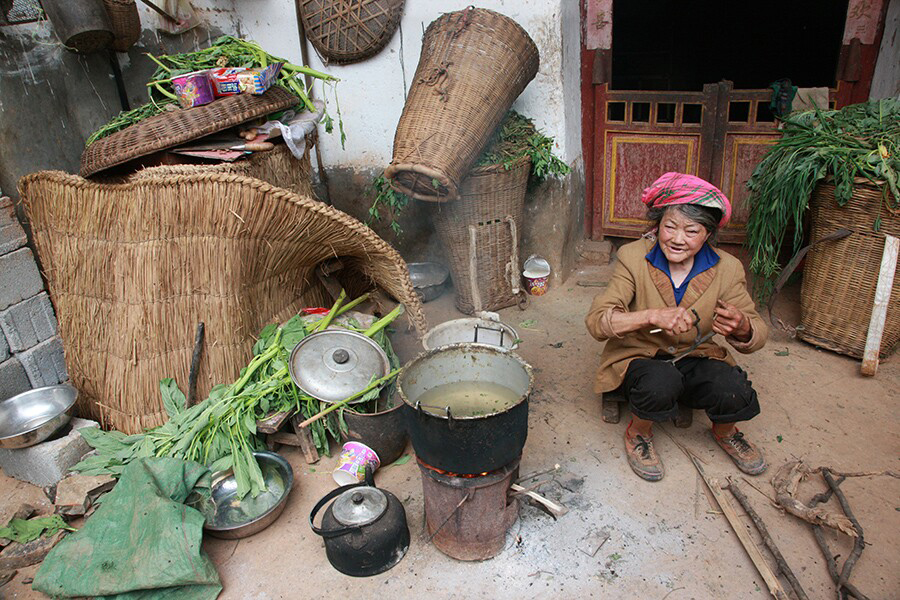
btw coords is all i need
(680, 238)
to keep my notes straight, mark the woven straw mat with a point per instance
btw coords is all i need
(133, 268)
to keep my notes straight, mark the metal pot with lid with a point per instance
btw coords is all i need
(334, 364)
(365, 529)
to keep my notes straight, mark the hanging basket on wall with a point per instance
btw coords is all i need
(125, 23)
(346, 31)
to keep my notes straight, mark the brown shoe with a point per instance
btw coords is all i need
(745, 455)
(642, 457)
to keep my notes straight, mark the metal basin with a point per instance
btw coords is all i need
(428, 279)
(31, 417)
(230, 518)
(473, 330)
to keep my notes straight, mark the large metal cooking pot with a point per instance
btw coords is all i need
(466, 444)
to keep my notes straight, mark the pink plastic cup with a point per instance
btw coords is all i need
(354, 459)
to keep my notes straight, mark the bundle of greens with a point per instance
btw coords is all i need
(861, 140)
(227, 51)
(220, 431)
(515, 137)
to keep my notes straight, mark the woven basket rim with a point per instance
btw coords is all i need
(394, 168)
(494, 167)
(104, 154)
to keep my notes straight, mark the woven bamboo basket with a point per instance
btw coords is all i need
(132, 268)
(474, 64)
(839, 278)
(481, 231)
(173, 128)
(125, 23)
(346, 31)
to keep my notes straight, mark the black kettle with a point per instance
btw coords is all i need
(365, 529)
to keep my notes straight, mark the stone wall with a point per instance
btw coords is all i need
(31, 353)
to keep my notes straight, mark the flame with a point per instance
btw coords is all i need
(451, 474)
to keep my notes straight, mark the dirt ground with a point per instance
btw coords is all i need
(667, 540)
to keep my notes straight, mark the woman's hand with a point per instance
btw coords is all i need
(674, 321)
(730, 321)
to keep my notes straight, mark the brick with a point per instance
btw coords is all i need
(19, 277)
(17, 556)
(13, 379)
(45, 464)
(28, 323)
(76, 493)
(45, 363)
(4, 349)
(12, 236)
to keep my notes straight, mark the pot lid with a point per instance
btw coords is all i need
(334, 364)
(359, 506)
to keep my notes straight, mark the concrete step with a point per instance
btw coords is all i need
(591, 252)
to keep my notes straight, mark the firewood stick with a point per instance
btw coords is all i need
(753, 551)
(538, 473)
(823, 545)
(858, 543)
(557, 510)
(767, 540)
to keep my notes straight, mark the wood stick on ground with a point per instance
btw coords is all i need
(767, 540)
(552, 469)
(819, 534)
(195, 365)
(859, 543)
(786, 481)
(775, 587)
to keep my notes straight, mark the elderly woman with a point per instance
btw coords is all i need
(666, 290)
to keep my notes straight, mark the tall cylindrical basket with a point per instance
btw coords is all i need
(481, 231)
(839, 278)
(474, 64)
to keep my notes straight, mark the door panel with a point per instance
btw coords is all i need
(634, 161)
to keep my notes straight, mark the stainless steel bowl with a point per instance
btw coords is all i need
(31, 417)
(428, 279)
(230, 518)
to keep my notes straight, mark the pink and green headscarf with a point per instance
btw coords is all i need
(680, 188)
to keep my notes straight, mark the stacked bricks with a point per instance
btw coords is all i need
(31, 353)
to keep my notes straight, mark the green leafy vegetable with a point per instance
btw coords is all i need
(861, 140)
(24, 531)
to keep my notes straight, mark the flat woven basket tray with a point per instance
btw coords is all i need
(346, 31)
(177, 127)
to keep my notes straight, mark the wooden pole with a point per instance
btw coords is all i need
(880, 308)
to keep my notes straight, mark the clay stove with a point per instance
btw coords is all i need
(467, 516)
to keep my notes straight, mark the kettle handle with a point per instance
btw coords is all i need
(331, 533)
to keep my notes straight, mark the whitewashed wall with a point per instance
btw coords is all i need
(372, 92)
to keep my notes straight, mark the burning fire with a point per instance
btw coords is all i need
(451, 474)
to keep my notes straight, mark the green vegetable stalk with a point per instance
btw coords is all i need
(220, 431)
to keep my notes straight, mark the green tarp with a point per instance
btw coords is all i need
(143, 542)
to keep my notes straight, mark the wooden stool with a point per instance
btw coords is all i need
(299, 437)
(612, 407)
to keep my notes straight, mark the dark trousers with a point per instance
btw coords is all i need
(654, 387)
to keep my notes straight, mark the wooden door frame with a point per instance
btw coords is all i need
(856, 66)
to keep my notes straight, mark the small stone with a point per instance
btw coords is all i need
(6, 576)
(76, 493)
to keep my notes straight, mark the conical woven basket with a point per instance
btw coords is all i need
(839, 279)
(125, 23)
(474, 64)
(481, 231)
(133, 268)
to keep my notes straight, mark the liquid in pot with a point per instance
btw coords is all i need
(468, 399)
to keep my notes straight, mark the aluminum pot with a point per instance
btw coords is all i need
(466, 444)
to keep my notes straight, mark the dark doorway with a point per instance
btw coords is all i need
(683, 44)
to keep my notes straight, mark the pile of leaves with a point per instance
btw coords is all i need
(226, 51)
(28, 530)
(861, 140)
(515, 137)
(220, 431)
